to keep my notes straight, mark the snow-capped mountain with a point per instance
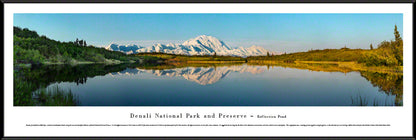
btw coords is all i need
(129, 49)
(201, 45)
(209, 43)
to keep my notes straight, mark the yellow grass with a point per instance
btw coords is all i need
(331, 66)
(215, 61)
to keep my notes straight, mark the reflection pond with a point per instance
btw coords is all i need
(205, 85)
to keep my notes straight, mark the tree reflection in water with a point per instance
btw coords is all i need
(28, 80)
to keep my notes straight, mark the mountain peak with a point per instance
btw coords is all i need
(112, 46)
(130, 48)
(206, 37)
(200, 45)
(207, 42)
(203, 36)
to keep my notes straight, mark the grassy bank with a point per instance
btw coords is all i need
(28, 93)
(388, 56)
(193, 58)
(75, 62)
(55, 96)
(330, 66)
(360, 66)
(339, 62)
(215, 62)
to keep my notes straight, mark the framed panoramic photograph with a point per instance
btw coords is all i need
(208, 70)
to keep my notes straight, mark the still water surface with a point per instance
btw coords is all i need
(234, 85)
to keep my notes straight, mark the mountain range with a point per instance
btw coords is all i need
(201, 45)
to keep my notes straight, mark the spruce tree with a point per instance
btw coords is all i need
(398, 46)
(397, 35)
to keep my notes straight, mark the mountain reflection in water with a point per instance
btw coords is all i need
(246, 84)
(200, 75)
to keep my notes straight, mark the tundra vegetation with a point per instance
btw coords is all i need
(31, 51)
(40, 61)
(387, 57)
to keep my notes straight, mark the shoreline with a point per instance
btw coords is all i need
(214, 61)
(351, 65)
(107, 61)
(354, 66)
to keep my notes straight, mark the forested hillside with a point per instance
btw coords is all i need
(29, 47)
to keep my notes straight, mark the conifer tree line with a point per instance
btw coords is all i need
(82, 43)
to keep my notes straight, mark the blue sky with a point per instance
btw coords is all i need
(277, 32)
